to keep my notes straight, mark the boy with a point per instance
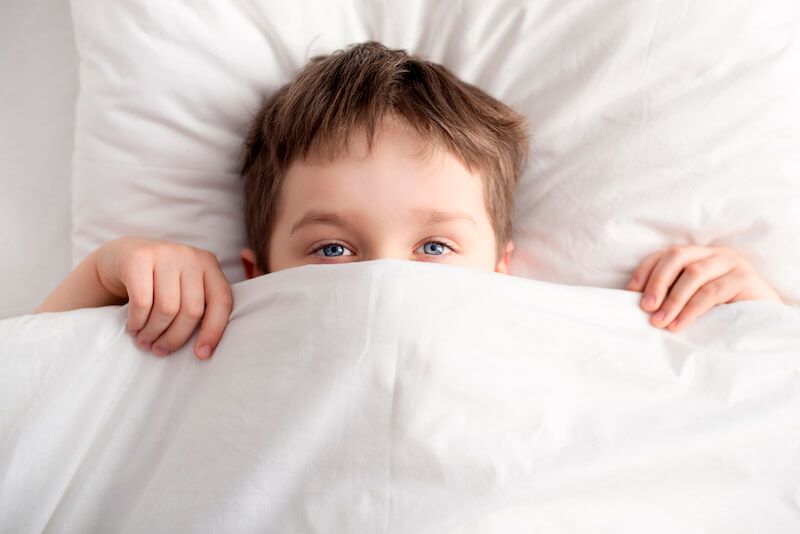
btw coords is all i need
(370, 153)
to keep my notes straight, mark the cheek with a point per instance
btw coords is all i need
(281, 254)
(482, 253)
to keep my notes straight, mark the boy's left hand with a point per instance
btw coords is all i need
(685, 281)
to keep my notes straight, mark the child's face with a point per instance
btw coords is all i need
(396, 201)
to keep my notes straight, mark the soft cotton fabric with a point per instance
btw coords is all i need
(654, 123)
(395, 396)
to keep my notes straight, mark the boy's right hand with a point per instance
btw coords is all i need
(170, 287)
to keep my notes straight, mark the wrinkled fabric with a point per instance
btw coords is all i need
(653, 123)
(395, 396)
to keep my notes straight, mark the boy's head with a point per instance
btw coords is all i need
(373, 153)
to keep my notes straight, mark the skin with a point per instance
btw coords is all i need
(684, 281)
(170, 287)
(390, 202)
(401, 200)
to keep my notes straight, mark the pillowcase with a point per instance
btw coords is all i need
(654, 123)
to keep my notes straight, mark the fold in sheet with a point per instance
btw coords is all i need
(396, 396)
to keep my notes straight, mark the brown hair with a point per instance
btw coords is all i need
(353, 89)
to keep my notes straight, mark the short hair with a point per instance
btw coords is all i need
(355, 89)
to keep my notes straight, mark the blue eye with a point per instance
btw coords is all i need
(333, 250)
(435, 248)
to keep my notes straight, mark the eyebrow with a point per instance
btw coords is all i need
(426, 216)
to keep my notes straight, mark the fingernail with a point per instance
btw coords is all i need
(145, 345)
(649, 301)
(658, 317)
(204, 351)
(633, 283)
(160, 351)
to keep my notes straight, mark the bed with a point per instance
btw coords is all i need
(546, 402)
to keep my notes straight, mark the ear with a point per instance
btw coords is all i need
(249, 262)
(504, 263)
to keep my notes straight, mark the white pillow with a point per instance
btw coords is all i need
(655, 123)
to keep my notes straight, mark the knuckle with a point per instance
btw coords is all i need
(222, 296)
(226, 299)
(165, 250)
(708, 291)
(737, 274)
(657, 281)
(185, 251)
(675, 250)
(208, 256)
(168, 307)
(140, 254)
(158, 249)
(139, 302)
(146, 334)
(734, 257)
(743, 270)
(694, 270)
(194, 311)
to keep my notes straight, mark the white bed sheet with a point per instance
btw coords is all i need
(395, 396)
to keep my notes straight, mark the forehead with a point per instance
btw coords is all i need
(401, 172)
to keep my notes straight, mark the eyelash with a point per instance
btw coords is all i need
(435, 257)
(316, 249)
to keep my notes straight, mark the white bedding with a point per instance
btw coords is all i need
(655, 123)
(394, 396)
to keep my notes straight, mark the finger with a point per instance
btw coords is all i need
(138, 280)
(642, 272)
(219, 303)
(666, 271)
(189, 315)
(715, 292)
(166, 304)
(693, 277)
